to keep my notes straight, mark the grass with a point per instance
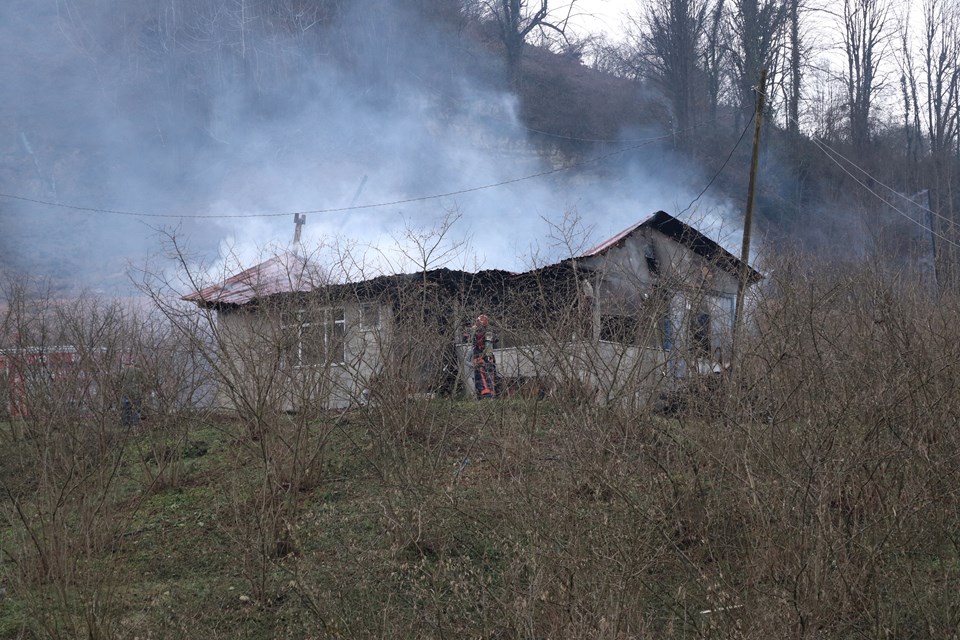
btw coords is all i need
(453, 519)
(362, 537)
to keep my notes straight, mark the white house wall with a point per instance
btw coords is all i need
(607, 372)
(248, 361)
(623, 281)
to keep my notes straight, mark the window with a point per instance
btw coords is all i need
(653, 265)
(320, 338)
(369, 316)
(700, 335)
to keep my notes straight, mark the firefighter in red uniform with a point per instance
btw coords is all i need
(484, 363)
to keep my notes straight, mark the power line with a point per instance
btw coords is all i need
(436, 196)
(881, 198)
(722, 167)
(885, 186)
(832, 154)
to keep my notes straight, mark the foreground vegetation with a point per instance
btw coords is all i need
(514, 519)
(811, 492)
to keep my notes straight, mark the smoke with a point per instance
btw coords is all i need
(213, 108)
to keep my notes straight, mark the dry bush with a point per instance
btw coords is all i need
(809, 495)
(837, 447)
(66, 491)
(277, 365)
(810, 492)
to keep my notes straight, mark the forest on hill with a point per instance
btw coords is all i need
(193, 110)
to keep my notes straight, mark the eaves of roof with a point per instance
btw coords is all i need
(288, 273)
(284, 273)
(683, 234)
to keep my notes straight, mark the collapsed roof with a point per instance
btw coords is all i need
(288, 273)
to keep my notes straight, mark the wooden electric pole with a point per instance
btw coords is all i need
(744, 268)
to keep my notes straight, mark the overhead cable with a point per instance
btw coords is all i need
(436, 196)
(833, 154)
(722, 167)
(820, 146)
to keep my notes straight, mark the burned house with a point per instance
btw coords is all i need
(651, 305)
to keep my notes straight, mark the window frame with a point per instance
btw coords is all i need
(332, 325)
(701, 335)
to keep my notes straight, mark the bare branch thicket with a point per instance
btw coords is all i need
(836, 448)
(286, 364)
(409, 437)
(275, 362)
(812, 497)
(71, 481)
(826, 105)
(516, 20)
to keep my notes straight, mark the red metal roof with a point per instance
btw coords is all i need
(285, 273)
(606, 244)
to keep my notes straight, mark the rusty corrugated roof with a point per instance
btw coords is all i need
(604, 246)
(284, 273)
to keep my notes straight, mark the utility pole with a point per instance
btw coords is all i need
(744, 270)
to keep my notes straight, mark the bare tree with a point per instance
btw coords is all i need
(674, 34)
(758, 31)
(941, 64)
(678, 47)
(517, 19)
(715, 56)
(794, 91)
(865, 33)
(941, 77)
(909, 92)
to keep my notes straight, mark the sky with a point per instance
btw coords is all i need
(603, 16)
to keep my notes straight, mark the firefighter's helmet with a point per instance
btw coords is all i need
(483, 320)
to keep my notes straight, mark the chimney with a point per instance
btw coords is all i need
(299, 219)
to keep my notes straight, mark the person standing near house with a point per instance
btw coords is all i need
(484, 362)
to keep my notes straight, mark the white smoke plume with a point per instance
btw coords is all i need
(230, 107)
